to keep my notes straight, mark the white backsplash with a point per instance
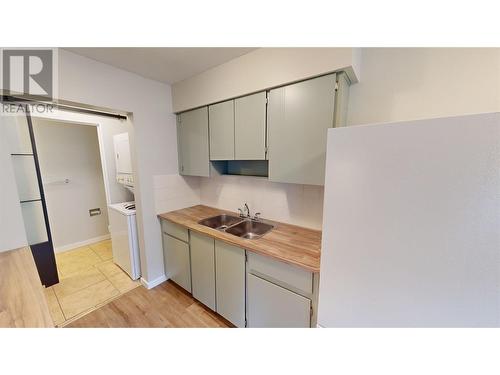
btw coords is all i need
(290, 203)
(173, 192)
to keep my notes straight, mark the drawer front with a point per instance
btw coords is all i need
(280, 272)
(271, 306)
(177, 261)
(175, 230)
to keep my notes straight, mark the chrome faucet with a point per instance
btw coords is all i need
(245, 211)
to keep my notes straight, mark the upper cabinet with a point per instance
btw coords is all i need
(298, 118)
(221, 124)
(280, 133)
(192, 137)
(250, 127)
(238, 128)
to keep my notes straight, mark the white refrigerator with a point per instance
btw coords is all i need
(411, 227)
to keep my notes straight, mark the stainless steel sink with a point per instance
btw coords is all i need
(249, 229)
(220, 222)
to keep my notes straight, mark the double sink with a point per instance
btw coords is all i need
(241, 227)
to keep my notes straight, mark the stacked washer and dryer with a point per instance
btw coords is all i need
(122, 218)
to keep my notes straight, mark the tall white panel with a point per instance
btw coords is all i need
(411, 229)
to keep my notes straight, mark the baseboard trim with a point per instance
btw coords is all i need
(153, 283)
(71, 246)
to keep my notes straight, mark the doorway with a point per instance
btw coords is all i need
(78, 172)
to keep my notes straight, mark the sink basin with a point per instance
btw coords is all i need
(220, 222)
(250, 229)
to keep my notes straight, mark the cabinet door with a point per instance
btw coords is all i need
(270, 305)
(192, 133)
(177, 264)
(299, 116)
(122, 153)
(250, 127)
(221, 124)
(230, 282)
(203, 269)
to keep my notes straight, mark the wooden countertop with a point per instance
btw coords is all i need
(22, 300)
(288, 243)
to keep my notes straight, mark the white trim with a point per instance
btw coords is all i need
(71, 246)
(155, 282)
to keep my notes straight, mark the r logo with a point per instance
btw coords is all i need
(28, 72)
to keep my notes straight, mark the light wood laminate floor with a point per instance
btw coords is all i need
(88, 278)
(166, 305)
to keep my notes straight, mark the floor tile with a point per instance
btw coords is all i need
(78, 281)
(108, 268)
(55, 309)
(87, 298)
(74, 261)
(103, 249)
(123, 282)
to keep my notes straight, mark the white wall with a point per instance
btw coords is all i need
(416, 83)
(411, 227)
(106, 127)
(12, 233)
(153, 140)
(259, 70)
(71, 151)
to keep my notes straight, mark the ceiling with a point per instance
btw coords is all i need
(167, 65)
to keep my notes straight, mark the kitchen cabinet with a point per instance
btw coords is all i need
(247, 288)
(238, 128)
(298, 118)
(221, 125)
(230, 282)
(250, 127)
(177, 263)
(270, 305)
(203, 268)
(193, 142)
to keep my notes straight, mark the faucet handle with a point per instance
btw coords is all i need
(256, 216)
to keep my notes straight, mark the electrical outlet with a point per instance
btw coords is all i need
(95, 211)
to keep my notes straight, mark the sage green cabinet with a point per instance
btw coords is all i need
(250, 127)
(177, 263)
(238, 128)
(221, 125)
(272, 306)
(298, 118)
(192, 141)
(230, 282)
(203, 268)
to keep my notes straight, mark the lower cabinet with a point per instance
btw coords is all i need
(248, 289)
(270, 305)
(230, 282)
(177, 263)
(203, 268)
